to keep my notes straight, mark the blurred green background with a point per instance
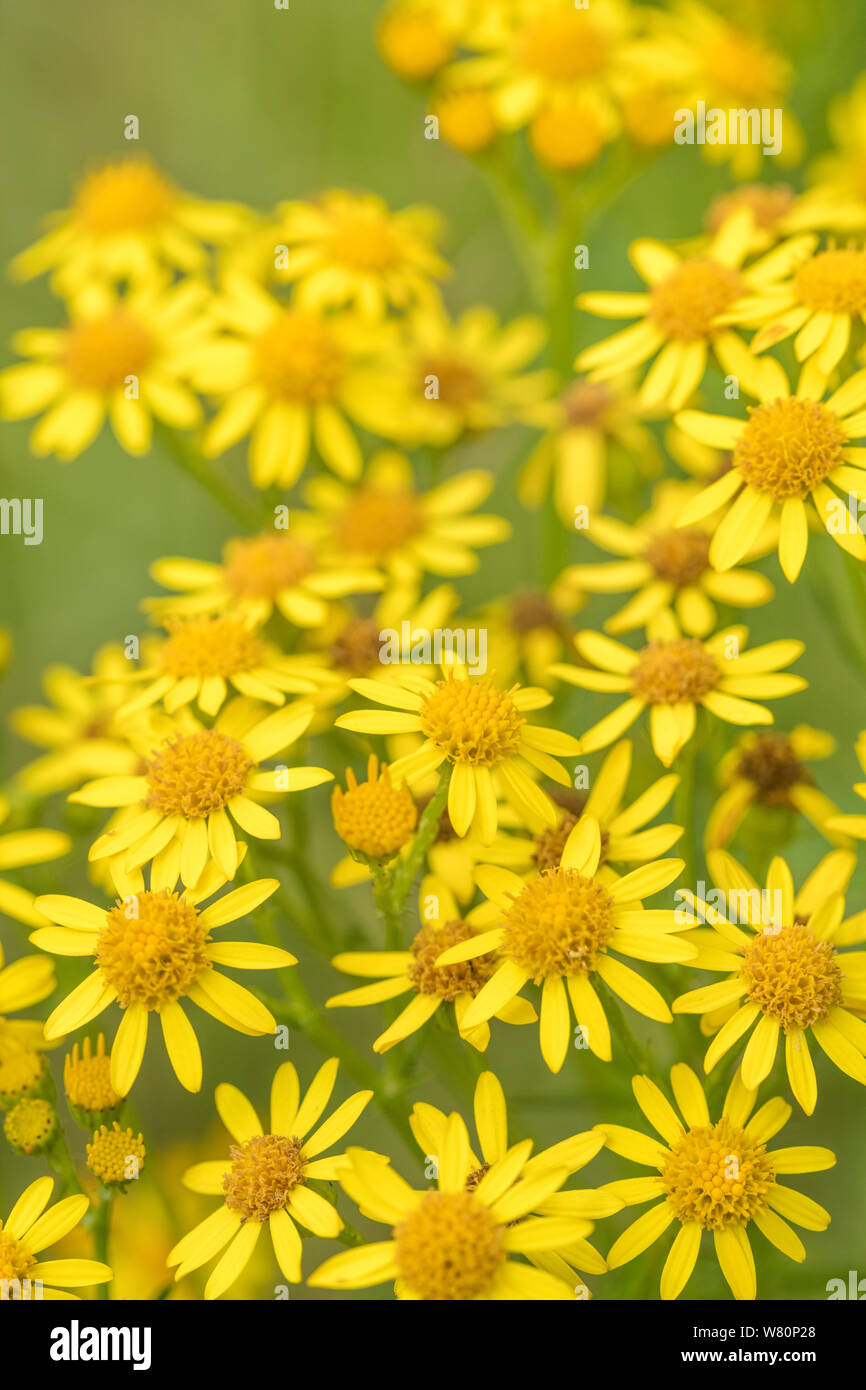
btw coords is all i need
(242, 101)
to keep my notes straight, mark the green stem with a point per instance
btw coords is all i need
(61, 1161)
(384, 899)
(640, 1057)
(428, 828)
(100, 1226)
(187, 458)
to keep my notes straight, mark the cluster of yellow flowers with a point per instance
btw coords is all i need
(319, 334)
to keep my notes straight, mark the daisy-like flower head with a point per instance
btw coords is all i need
(358, 643)
(527, 630)
(593, 426)
(127, 222)
(712, 1176)
(374, 818)
(457, 1241)
(787, 974)
(559, 929)
(350, 249)
(480, 731)
(769, 770)
(417, 971)
(152, 949)
(23, 1073)
(821, 303)
(27, 1231)
(682, 314)
(120, 357)
(384, 520)
(292, 377)
(265, 1178)
(19, 849)
(467, 377)
(203, 656)
(853, 825)
(669, 566)
(769, 203)
(672, 675)
(87, 1084)
(25, 982)
(430, 1126)
(793, 446)
(78, 726)
(466, 115)
(728, 67)
(624, 840)
(287, 571)
(194, 783)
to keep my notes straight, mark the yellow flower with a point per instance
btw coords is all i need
(374, 818)
(466, 116)
(152, 950)
(116, 1156)
(683, 315)
(466, 377)
(349, 249)
(27, 1231)
(19, 848)
(417, 971)
(26, 981)
(78, 727)
(87, 1082)
(23, 1073)
(127, 222)
(668, 566)
(266, 1177)
(290, 572)
(290, 377)
(718, 1177)
(769, 770)
(430, 1125)
(480, 731)
(624, 840)
(386, 522)
(527, 630)
(455, 1242)
(784, 972)
(537, 55)
(559, 928)
(194, 780)
(203, 656)
(820, 300)
(729, 68)
(672, 675)
(124, 358)
(790, 448)
(417, 37)
(852, 825)
(594, 427)
(770, 205)
(354, 645)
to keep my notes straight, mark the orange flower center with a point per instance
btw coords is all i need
(449, 1247)
(152, 948)
(717, 1176)
(472, 722)
(101, 353)
(263, 566)
(686, 304)
(833, 282)
(447, 981)
(127, 197)
(789, 446)
(792, 976)
(681, 556)
(210, 647)
(264, 1172)
(558, 924)
(196, 774)
(563, 46)
(378, 521)
(298, 360)
(674, 672)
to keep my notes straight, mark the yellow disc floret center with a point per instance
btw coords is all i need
(101, 353)
(298, 360)
(374, 817)
(450, 1247)
(446, 981)
(116, 1155)
(87, 1078)
(15, 1261)
(378, 521)
(559, 924)
(196, 774)
(472, 722)
(563, 46)
(833, 282)
(364, 242)
(674, 672)
(717, 1176)
(263, 1174)
(152, 948)
(123, 198)
(685, 305)
(210, 647)
(789, 446)
(793, 976)
(680, 556)
(263, 566)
